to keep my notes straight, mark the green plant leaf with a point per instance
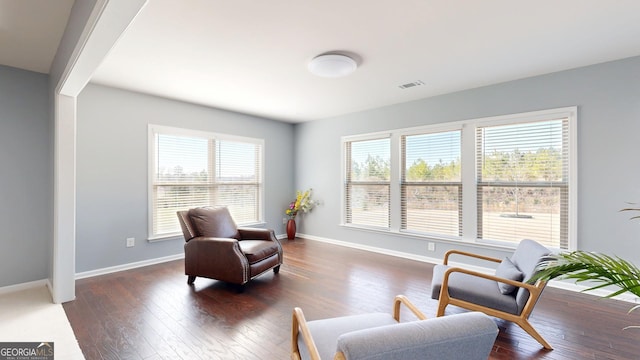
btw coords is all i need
(582, 266)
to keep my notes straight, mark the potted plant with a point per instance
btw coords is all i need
(601, 269)
(302, 203)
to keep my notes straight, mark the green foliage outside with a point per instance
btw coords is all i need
(420, 170)
(542, 165)
(375, 168)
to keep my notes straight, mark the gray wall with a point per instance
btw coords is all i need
(608, 100)
(112, 170)
(25, 179)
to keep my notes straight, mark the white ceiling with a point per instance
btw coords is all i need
(30, 31)
(251, 56)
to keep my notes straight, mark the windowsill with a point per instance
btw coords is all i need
(179, 236)
(253, 225)
(167, 237)
(426, 237)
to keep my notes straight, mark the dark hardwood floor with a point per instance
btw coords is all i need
(151, 312)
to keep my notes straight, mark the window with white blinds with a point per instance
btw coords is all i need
(367, 182)
(190, 169)
(523, 182)
(431, 185)
(491, 181)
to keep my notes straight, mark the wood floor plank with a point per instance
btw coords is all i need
(151, 312)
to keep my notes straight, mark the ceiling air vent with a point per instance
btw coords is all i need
(411, 84)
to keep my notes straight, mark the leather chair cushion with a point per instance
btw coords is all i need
(214, 222)
(258, 250)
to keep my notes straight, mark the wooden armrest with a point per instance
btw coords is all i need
(299, 325)
(530, 287)
(465, 253)
(339, 356)
(401, 299)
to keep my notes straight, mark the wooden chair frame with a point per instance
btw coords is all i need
(535, 290)
(299, 326)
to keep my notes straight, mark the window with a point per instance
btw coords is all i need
(190, 169)
(494, 180)
(367, 182)
(431, 186)
(523, 182)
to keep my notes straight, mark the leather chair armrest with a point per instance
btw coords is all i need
(213, 248)
(231, 264)
(257, 234)
(222, 241)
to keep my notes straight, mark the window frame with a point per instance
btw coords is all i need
(403, 183)
(346, 180)
(570, 186)
(213, 137)
(469, 174)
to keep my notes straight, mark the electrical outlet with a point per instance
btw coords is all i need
(431, 246)
(284, 220)
(131, 242)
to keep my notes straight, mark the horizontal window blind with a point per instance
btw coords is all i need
(523, 183)
(431, 184)
(181, 179)
(192, 171)
(238, 176)
(367, 182)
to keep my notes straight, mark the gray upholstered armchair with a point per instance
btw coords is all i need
(506, 295)
(380, 336)
(216, 248)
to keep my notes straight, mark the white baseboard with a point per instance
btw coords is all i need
(128, 266)
(598, 292)
(23, 286)
(553, 283)
(86, 274)
(374, 249)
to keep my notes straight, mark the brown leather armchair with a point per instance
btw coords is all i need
(216, 248)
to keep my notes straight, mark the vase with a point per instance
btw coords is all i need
(291, 229)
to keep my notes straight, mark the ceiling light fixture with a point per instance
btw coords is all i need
(332, 65)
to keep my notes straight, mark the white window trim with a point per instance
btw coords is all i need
(394, 174)
(154, 129)
(469, 173)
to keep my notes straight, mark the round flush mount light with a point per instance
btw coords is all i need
(332, 65)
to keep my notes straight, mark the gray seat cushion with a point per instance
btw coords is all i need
(473, 289)
(468, 336)
(325, 332)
